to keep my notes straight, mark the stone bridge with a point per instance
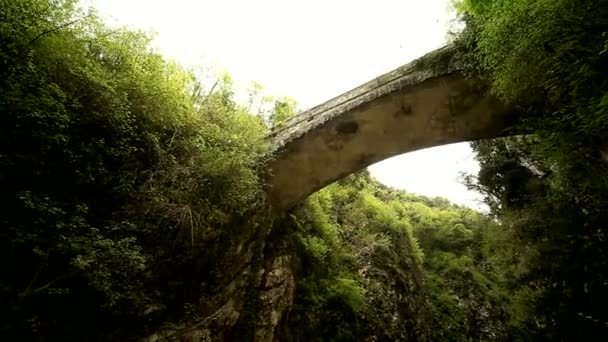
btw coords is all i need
(426, 103)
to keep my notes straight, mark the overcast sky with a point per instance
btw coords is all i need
(310, 50)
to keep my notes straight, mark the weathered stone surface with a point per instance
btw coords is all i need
(398, 305)
(256, 292)
(422, 104)
(276, 295)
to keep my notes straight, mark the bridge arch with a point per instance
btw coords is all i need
(426, 103)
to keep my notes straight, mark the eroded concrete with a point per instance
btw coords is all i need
(422, 104)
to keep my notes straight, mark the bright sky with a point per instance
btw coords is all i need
(311, 50)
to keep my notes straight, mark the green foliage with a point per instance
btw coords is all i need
(465, 294)
(106, 149)
(349, 290)
(315, 246)
(550, 249)
(548, 190)
(283, 109)
(562, 46)
(370, 256)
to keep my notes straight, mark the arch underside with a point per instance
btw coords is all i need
(427, 108)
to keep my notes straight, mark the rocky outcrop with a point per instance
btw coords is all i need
(252, 305)
(398, 304)
(274, 290)
(276, 297)
(256, 302)
(247, 287)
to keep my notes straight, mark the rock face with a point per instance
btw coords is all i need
(273, 293)
(276, 295)
(402, 310)
(251, 305)
(422, 104)
(256, 300)
(247, 288)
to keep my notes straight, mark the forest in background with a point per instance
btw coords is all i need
(125, 178)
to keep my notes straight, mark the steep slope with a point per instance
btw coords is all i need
(378, 264)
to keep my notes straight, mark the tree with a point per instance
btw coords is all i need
(283, 109)
(547, 58)
(112, 174)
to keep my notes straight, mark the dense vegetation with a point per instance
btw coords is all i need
(116, 168)
(360, 246)
(548, 190)
(127, 181)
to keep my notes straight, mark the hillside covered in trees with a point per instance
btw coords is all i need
(134, 204)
